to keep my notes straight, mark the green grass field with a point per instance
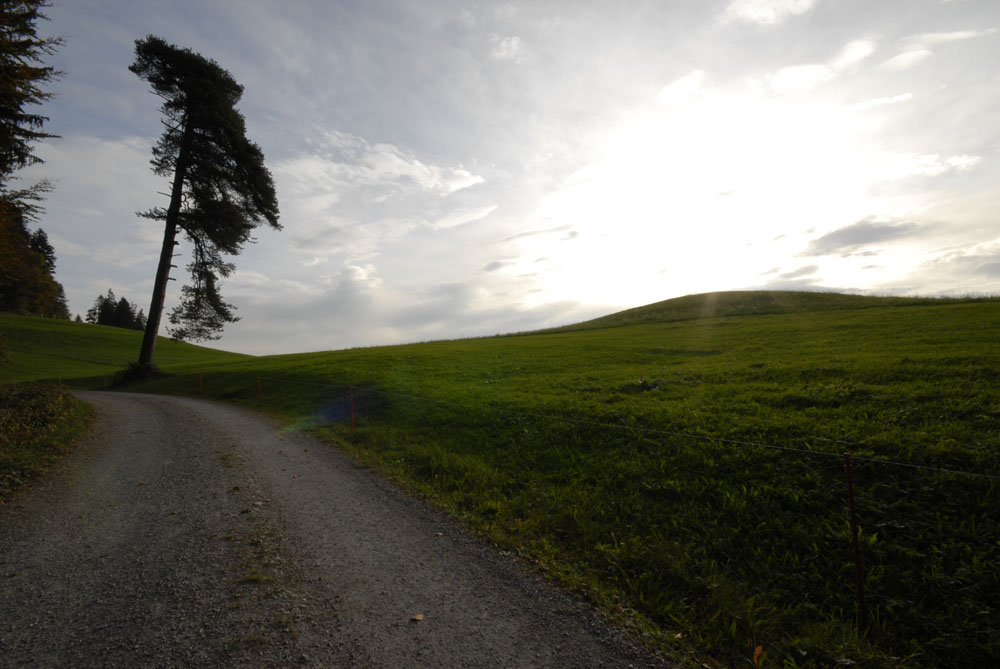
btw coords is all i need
(681, 464)
(81, 354)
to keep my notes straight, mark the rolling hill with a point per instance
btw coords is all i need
(681, 464)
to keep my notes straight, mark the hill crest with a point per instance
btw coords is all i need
(751, 303)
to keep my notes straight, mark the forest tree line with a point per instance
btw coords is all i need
(27, 269)
(119, 313)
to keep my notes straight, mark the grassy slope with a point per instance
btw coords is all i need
(744, 303)
(82, 354)
(568, 447)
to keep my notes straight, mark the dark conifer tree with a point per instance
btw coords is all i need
(40, 244)
(108, 309)
(27, 261)
(22, 76)
(26, 282)
(124, 314)
(221, 190)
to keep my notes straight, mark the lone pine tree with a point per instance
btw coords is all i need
(221, 190)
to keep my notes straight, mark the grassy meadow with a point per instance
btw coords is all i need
(82, 354)
(681, 464)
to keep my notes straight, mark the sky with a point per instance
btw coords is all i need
(452, 169)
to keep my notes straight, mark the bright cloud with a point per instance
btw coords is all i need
(802, 77)
(929, 165)
(766, 12)
(799, 77)
(684, 89)
(881, 102)
(907, 59)
(463, 216)
(853, 53)
(918, 48)
(366, 164)
(507, 48)
(349, 195)
(930, 39)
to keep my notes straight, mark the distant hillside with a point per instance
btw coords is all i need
(46, 348)
(747, 303)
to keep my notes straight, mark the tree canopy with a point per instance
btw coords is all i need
(221, 188)
(27, 259)
(27, 263)
(22, 75)
(119, 313)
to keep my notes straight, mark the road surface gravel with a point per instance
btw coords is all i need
(188, 533)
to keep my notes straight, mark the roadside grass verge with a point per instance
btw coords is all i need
(38, 424)
(687, 475)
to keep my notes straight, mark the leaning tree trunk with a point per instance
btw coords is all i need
(166, 255)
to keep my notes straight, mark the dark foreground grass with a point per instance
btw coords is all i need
(688, 475)
(38, 424)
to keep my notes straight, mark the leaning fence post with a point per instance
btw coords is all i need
(858, 570)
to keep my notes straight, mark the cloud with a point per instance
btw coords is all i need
(846, 241)
(349, 195)
(970, 269)
(368, 164)
(929, 39)
(532, 233)
(90, 216)
(495, 265)
(928, 165)
(683, 89)
(853, 53)
(766, 12)
(507, 48)
(917, 48)
(463, 216)
(906, 60)
(505, 11)
(800, 77)
(801, 272)
(881, 102)
(981, 260)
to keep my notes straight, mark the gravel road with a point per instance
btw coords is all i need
(183, 532)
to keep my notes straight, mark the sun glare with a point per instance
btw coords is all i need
(703, 196)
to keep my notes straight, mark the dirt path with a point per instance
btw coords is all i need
(183, 532)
